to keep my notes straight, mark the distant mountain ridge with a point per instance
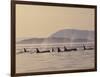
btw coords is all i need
(74, 34)
(62, 36)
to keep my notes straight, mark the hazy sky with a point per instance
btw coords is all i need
(42, 21)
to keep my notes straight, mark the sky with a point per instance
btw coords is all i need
(42, 21)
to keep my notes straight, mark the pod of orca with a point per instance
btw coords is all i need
(53, 50)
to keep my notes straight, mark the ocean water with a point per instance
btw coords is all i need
(53, 61)
(42, 62)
